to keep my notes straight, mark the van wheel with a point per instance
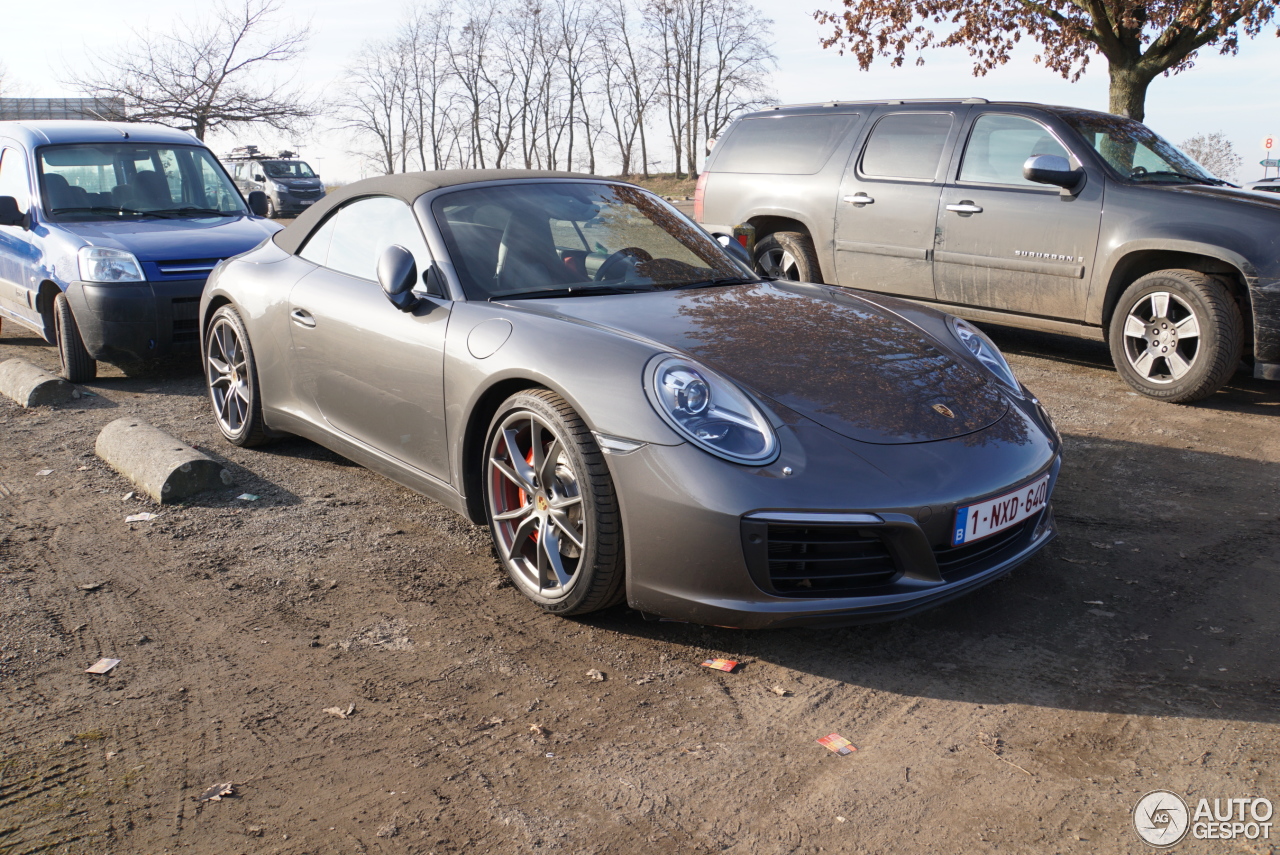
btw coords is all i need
(77, 365)
(788, 255)
(272, 213)
(1176, 335)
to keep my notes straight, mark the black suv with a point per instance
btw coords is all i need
(1049, 218)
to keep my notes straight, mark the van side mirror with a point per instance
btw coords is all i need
(1055, 170)
(10, 213)
(397, 274)
(258, 176)
(258, 203)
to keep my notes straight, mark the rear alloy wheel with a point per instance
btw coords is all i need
(551, 506)
(1176, 335)
(232, 378)
(77, 365)
(788, 255)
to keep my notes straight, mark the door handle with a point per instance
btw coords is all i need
(965, 207)
(302, 318)
(859, 200)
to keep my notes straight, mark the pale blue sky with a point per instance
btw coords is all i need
(1237, 95)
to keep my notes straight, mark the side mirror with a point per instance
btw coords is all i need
(258, 203)
(397, 274)
(1055, 170)
(731, 246)
(10, 214)
(258, 176)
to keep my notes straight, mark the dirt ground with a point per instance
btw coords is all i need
(1137, 652)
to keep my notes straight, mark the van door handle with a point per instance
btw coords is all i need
(965, 207)
(302, 318)
(859, 200)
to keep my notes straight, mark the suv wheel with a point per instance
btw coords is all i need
(77, 365)
(788, 255)
(1176, 335)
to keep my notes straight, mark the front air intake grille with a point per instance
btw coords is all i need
(824, 560)
(186, 320)
(959, 561)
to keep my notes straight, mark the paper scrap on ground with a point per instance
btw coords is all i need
(837, 743)
(216, 792)
(142, 517)
(102, 666)
(340, 712)
(721, 664)
(780, 692)
(248, 497)
(45, 472)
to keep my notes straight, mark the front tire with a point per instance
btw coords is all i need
(232, 378)
(1176, 335)
(272, 213)
(77, 366)
(788, 255)
(551, 507)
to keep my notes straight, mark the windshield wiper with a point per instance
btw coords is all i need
(711, 283)
(97, 209)
(192, 211)
(1197, 179)
(588, 291)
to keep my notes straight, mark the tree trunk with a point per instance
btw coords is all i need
(1129, 91)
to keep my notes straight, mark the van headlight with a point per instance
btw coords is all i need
(977, 343)
(102, 264)
(709, 410)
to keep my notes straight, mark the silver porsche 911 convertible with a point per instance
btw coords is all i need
(632, 412)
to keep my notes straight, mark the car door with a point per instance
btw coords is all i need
(888, 202)
(18, 255)
(374, 373)
(1011, 244)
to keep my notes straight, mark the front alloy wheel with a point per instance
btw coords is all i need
(1176, 335)
(552, 510)
(232, 378)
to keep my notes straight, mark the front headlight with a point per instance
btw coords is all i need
(709, 410)
(100, 264)
(977, 343)
(279, 188)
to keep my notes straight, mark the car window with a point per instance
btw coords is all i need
(287, 169)
(782, 145)
(13, 177)
(999, 145)
(352, 240)
(906, 145)
(547, 237)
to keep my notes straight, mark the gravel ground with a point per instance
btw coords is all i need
(349, 657)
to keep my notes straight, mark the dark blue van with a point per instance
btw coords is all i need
(107, 234)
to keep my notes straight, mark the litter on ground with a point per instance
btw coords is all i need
(721, 664)
(102, 666)
(837, 743)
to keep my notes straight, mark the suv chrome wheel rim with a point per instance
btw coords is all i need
(536, 505)
(780, 264)
(1161, 337)
(228, 371)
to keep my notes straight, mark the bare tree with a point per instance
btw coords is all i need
(1215, 153)
(630, 82)
(207, 74)
(373, 103)
(4, 89)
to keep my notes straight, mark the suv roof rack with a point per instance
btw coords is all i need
(886, 101)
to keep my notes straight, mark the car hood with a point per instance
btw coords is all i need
(842, 361)
(167, 240)
(1260, 200)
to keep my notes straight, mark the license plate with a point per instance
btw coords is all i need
(979, 520)
(305, 202)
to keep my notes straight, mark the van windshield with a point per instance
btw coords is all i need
(99, 181)
(287, 169)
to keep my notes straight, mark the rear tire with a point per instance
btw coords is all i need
(77, 365)
(788, 255)
(1176, 335)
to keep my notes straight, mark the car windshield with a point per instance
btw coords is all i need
(570, 238)
(287, 169)
(100, 181)
(1136, 151)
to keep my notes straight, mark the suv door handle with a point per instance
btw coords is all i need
(302, 318)
(859, 200)
(965, 207)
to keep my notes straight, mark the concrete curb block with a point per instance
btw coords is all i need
(164, 468)
(31, 386)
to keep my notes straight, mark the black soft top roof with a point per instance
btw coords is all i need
(406, 186)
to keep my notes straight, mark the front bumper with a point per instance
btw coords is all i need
(691, 519)
(134, 321)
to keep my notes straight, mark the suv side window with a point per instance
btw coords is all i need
(351, 240)
(999, 145)
(906, 145)
(13, 177)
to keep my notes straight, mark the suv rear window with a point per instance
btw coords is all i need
(783, 145)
